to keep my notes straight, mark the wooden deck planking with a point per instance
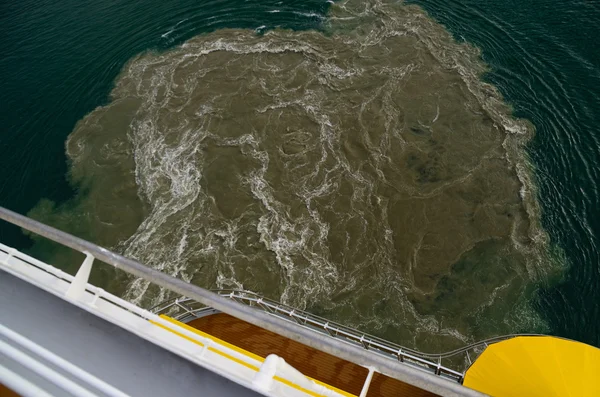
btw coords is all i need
(6, 392)
(311, 362)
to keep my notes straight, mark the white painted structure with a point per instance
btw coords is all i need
(93, 343)
(168, 335)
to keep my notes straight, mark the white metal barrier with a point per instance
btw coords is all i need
(103, 304)
(207, 352)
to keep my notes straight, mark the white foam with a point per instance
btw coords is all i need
(291, 224)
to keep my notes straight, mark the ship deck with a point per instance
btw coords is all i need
(61, 335)
(118, 357)
(140, 368)
(318, 365)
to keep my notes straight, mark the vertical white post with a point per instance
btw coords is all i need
(365, 388)
(263, 380)
(77, 287)
(10, 253)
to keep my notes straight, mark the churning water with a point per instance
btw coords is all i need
(362, 170)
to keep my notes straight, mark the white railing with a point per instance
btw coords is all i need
(186, 309)
(451, 364)
(208, 352)
(28, 354)
(92, 297)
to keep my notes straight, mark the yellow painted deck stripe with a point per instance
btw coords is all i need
(177, 333)
(237, 360)
(241, 351)
(214, 339)
(295, 386)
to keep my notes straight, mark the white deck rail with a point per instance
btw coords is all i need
(201, 349)
(186, 309)
(101, 303)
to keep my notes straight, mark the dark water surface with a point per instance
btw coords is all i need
(355, 165)
(545, 61)
(60, 59)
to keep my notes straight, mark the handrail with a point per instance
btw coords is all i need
(112, 309)
(188, 307)
(239, 294)
(432, 361)
(336, 347)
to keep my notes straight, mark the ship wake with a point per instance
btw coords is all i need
(364, 173)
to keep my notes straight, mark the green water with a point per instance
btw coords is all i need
(59, 61)
(355, 165)
(545, 61)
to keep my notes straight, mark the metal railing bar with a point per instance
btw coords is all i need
(419, 361)
(387, 348)
(280, 326)
(392, 347)
(366, 342)
(384, 347)
(184, 309)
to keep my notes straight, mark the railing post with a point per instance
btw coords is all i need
(350, 352)
(77, 287)
(97, 295)
(263, 380)
(207, 344)
(293, 316)
(365, 345)
(9, 254)
(365, 388)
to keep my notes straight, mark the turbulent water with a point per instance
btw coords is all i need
(364, 172)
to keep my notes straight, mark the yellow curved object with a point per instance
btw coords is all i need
(536, 366)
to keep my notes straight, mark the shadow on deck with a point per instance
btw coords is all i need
(311, 362)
